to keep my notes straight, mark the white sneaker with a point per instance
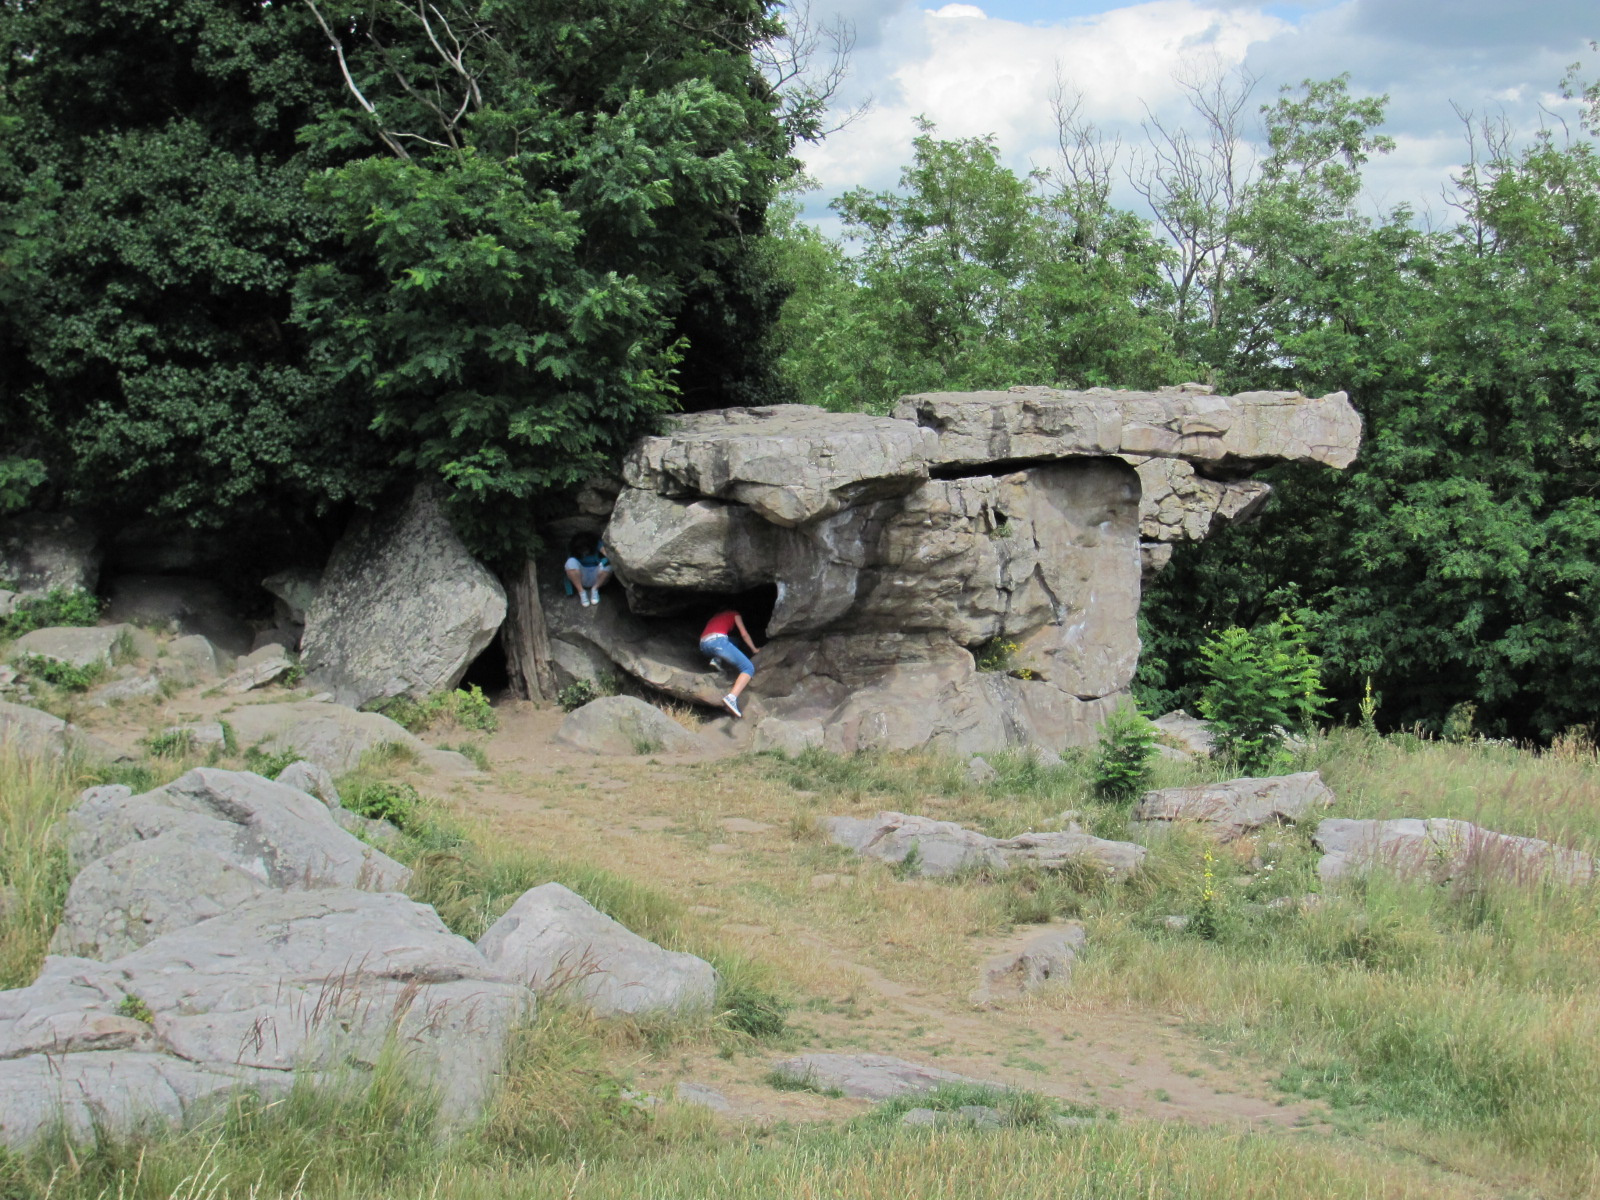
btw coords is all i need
(583, 597)
(731, 703)
(594, 595)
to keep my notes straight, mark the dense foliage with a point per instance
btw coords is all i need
(269, 259)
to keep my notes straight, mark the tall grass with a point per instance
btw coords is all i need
(34, 792)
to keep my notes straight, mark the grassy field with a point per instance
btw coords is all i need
(1453, 1031)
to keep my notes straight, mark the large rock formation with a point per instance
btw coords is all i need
(898, 553)
(40, 552)
(402, 608)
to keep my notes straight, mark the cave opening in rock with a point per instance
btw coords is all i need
(685, 612)
(488, 671)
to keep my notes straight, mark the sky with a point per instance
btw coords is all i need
(988, 67)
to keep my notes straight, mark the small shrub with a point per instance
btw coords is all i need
(747, 1008)
(270, 765)
(909, 866)
(60, 674)
(380, 800)
(462, 709)
(174, 743)
(62, 606)
(473, 753)
(1458, 722)
(133, 1006)
(1260, 682)
(1127, 746)
(802, 1083)
(576, 694)
(1018, 1109)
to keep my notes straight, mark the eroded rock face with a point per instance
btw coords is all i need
(1001, 527)
(1237, 806)
(40, 552)
(402, 608)
(1444, 849)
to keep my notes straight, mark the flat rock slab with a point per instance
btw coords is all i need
(945, 848)
(332, 735)
(867, 1076)
(1442, 849)
(703, 1096)
(83, 646)
(1041, 960)
(625, 725)
(1238, 806)
(557, 942)
(34, 732)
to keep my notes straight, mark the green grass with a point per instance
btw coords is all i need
(34, 793)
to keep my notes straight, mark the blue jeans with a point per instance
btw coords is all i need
(721, 648)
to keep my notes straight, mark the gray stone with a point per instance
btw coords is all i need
(134, 687)
(257, 669)
(980, 772)
(1043, 959)
(333, 736)
(867, 1076)
(203, 735)
(84, 646)
(195, 849)
(296, 589)
(1188, 734)
(8, 602)
(1177, 504)
(789, 737)
(403, 608)
(1176, 922)
(702, 1096)
(313, 780)
(945, 848)
(184, 604)
(625, 725)
(288, 981)
(41, 552)
(35, 732)
(1239, 806)
(1441, 849)
(557, 942)
(193, 659)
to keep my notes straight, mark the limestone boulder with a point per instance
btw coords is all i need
(295, 589)
(789, 463)
(403, 608)
(40, 733)
(199, 847)
(311, 982)
(1238, 806)
(868, 1076)
(1043, 959)
(43, 552)
(84, 646)
(938, 848)
(333, 736)
(625, 725)
(558, 943)
(1440, 849)
(194, 658)
(1188, 734)
(257, 669)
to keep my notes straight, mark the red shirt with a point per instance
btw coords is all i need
(719, 625)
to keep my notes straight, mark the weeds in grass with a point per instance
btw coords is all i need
(465, 708)
(386, 756)
(473, 752)
(62, 606)
(60, 673)
(34, 793)
(1018, 1108)
(171, 743)
(267, 763)
(806, 1082)
(382, 800)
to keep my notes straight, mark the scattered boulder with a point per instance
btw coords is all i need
(944, 848)
(702, 1096)
(259, 668)
(193, 658)
(203, 735)
(1189, 734)
(1441, 849)
(183, 604)
(83, 646)
(33, 732)
(196, 848)
(313, 780)
(790, 737)
(979, 772)
(402, 609)
(41, 552)
(866, 1076)
(558, 942)
(309, 981)
(625, 725)
(295, 589)
(1043, 959)
(1238, 806)
(333, 736)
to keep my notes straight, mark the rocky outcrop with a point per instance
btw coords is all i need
(1441, 849)
(1238, 806)
(558, 943)
(195, 849)
(1041, 960)
(41, 552)
(332, 735)
(899, 554)
(936, 848)
(402, 608)
(84, 646)
(29, 731)
(183, 604)
(625, 725)
(868, 1076)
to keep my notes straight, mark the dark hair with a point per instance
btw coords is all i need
(582, 543)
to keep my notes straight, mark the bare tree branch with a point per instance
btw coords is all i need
(806, 65)
(344, 68)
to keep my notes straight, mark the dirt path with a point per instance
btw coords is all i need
(887, 964)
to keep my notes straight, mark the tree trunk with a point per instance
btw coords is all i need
(527, 643)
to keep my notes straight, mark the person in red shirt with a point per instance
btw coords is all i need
(716, 642)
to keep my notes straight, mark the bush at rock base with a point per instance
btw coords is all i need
(61, 606)
(1260, 683)
(1122, 758)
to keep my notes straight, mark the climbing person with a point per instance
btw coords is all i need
(587, 567)
(716, 643)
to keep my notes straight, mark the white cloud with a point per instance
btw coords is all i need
(951, 11)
